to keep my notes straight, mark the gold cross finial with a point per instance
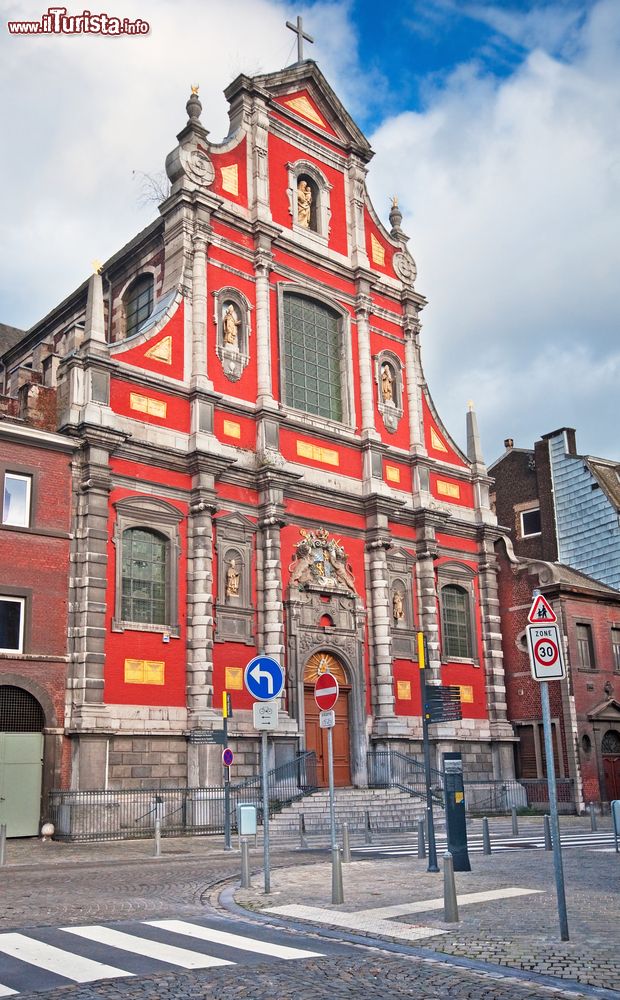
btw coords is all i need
(394, 201)
(97, 266)
(195, 88)
(470, 404)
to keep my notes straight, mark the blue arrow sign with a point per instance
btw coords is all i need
(264, 678)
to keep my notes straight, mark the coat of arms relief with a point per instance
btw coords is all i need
(321, 561)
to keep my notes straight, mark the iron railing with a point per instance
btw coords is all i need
(392, 769)
(130, 813)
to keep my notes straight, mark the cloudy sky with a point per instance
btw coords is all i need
(497, 124)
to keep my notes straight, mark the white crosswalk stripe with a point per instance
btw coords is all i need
(46, 958)
(499, 845)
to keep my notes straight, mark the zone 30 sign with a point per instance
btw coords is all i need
(546, 655)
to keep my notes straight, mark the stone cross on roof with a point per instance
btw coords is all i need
(301, 34)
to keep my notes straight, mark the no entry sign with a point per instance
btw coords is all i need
(326, 691)
(545, 648)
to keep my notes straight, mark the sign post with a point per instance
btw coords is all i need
(432, 850)
(326, 692)
(547, 663)
(264, 679)
(226, 711)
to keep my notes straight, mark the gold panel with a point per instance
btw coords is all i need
(403, 690)
(323, 663)
(230, 179)
(232, 429)
(467, 693)
(377, 250)
(317, 454)
(234, 678)
(436, 441)
(144, 671)
(448, 489)
(161, 351)
(303, 107)
(392, 474)
(145, 404)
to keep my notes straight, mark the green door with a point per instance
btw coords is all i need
(21, 768)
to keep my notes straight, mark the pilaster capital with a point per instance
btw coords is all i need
(363, 307)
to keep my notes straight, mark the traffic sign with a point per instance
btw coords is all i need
(227, 757)
(264, 678)
(545, 650)
(326, 691)
(541, 612)
(443, 703)
(327, 720)
(265, 714)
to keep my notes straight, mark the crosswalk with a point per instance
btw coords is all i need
(44, 958)
(499, 845)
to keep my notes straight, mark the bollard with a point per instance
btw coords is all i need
(346, 845)
(515, 821)
(368, 832)
(157, 851)
(303, 842)
(592, 817)
(450, 905)
(486, 838)
(548, 844)
(421, 843)
(246, 881)
(337, 891)
(2, 844)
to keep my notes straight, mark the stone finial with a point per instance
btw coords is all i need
(474, 447)
(94, 326)
(396, 216)
(194, 106)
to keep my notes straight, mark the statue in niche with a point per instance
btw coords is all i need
(233, 579)
(386, 384)
(231, 325)
(304, 203)
(398, 608)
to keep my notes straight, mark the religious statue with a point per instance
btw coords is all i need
(231, 324)
(304, 201)
(233, 578)
(386, 384)
(398, 609)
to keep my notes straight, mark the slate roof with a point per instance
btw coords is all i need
(607, 475)
(9, 336)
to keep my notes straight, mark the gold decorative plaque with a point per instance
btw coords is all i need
(232, 429)
(161, 351)
(467, 693)
(317, 454)
(144, 671)
(230, 179)
(436, 441)
(233, 679)
(146, 404)
(377, 251)
(448, 489)
(403, 690)
(392, 474)
(303, 107)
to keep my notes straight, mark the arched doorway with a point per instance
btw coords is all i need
(21, 761)
(316, 738)
(610, 750)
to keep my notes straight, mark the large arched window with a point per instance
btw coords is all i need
(145, 559)
(456, 622)
(313, 357)
(138, 303)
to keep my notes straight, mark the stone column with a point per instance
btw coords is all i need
(200, 606)
(415, 380)
(271, 608)
(262, 267)
(363, 308)
(200, 378)
(377, 546)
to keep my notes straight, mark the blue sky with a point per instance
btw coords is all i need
(496, 123)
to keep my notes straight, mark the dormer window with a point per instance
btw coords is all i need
(309, 194)
(138, 303)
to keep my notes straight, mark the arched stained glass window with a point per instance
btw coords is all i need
(145, 555)
(312, 357)
(456, 621)
(138, 303)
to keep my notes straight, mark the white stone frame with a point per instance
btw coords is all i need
(458, 575)
(321, 188)
(391, 413)
(234, 361)
(147, 271)
(156, 516)
(346, 355)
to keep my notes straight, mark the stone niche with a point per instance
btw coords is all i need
(234, 620)
(400, 580)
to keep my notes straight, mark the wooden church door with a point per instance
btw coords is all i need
(316, 738)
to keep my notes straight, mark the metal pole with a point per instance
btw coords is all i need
(157, 837)
(592, 817)
(515, 821)
(553, 803)
(421, 844)
(2, 845)
(450, 905)
(368, 829)
(547, 825)
(227, 823)
(264, 749)
(486, 839)
(246, 881)
(337, 892)
(346, 844)
(303, 843)
(430, 825)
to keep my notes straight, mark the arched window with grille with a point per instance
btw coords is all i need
(313, 357)
(456, 622)
(138, 303)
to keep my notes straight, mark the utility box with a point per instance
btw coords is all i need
(246, 820)
(454, 795)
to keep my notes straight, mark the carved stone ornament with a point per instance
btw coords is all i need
(404, 265)
(197, 165)
(321, 562)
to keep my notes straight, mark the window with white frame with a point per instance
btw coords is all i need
(16, 500)
(12, 611)
(530, 522)
(456, 622)
(138, 303)
(313, 357)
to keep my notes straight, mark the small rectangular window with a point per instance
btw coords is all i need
(530, 522)
(12, 624)
(615, 646)
(585, 647)
(16, 500)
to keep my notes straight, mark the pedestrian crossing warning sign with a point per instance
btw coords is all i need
(541, 612)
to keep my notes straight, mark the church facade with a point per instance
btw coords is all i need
(261, 468)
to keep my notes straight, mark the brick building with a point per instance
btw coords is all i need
(36, 484)
(261, 466)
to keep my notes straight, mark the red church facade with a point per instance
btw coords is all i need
(262, 469)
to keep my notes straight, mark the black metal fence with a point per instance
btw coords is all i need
(392, 769)
(126, 814)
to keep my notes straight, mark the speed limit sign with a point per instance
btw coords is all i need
(546, 655)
